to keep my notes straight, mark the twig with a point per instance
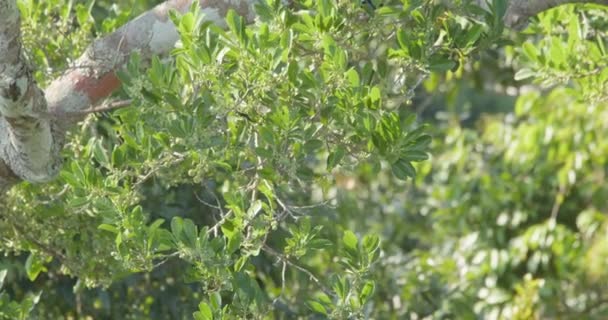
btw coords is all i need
(283, 269)
(205, 202)
(312, 277)
(324, 203)
(179, 158)
(56, 196)
(107, 106)
(559, 198)
(56, 254)
(160, 263)
(219, 223)
(286, 210)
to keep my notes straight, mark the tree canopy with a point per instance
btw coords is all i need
(313, 159)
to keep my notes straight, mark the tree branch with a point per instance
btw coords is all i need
(152, 33)
(310, 275)
(35, 122)
(519, 11)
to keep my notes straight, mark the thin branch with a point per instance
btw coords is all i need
(312, 277)
(559, 199)
(56, 254)
(216, 226)
(205, 202)
(324, 203)
(166, 258)
(107, 106)
(103, 107)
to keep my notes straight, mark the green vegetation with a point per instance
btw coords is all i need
(333, 160)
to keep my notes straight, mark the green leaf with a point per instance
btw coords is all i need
(151, 96)
(335, 157)
(313, 145)
(317, 307)
(247, 289)
(236, 25)
(473, 34)
(240, 262)
(371, 243)
(253, 210)
(108, 227)
(292, 72)
(530, 51)
(375, 95)
(353, 78)
(164, 240)
(341, 287)
(229, 228)
(350, 240)
(33, 266)
(414, 156)
(367, 291)
(324, 7)
(403, 39)
(234, 242)
(173, 100)
(524, 73)
(187, 23)
(100, 153)
(403, 169)
(118, 157)
(155, 225)
(558, 51)
(441, 64)
(177, 224)
(215, 298)
(189, 233)
(500, 7)
(204, 312)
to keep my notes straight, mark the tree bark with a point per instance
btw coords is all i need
(33, 121)
(519, 11)
(28, 145)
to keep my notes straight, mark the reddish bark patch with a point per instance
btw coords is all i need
(97, 88)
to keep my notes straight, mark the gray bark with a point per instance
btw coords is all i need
(519, 11)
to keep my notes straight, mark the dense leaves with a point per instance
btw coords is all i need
(283, 169)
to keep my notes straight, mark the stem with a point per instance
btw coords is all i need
(312, 277)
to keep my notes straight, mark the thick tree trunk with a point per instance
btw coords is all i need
(28, 145)
(32, 123)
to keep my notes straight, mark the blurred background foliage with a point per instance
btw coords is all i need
(506, 220)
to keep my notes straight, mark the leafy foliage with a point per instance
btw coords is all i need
(281, 169)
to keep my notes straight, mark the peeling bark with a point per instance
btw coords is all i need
(33, 122)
